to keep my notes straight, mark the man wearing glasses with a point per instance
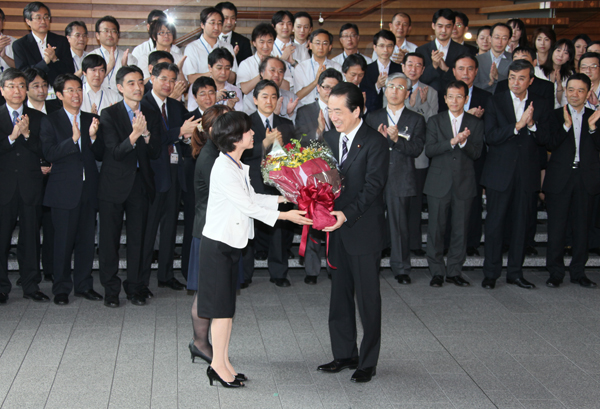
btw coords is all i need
(349, 39)
(493, 65)
(40, 48)
(77, 35)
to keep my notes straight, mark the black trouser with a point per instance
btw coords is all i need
(414, 211)
(397, 218)
(189, 212)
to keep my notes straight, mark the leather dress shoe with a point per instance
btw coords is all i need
(61, 299)
(281, 282)
(553, 282)
(112, 301)
(290, 255)
(154, 256)
(419, 252)
(363, 375)
(403, 279)
(338, 365)
(49, 278)
(531, 251)
(261, 255)
(386, 253)
(246, 283)
(136, 299)
(472, 251)
(3, 298)
(311, 280)
(445, 252)
(458, 280)
(488, 283)
(37, 296)
(146, 293)
(568, 251)
(585, 282)
(436, 281)
(521, 282)
(505, 248)
(173, 284)
(90, 295)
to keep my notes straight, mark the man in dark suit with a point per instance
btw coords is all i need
(358, 236)
(405, 134)
(511, 173)
(461, 26)
(572, 180)
(441, 53)
(465, 70)
(40, 48)
(454, 142)
(240, 44)
(70, 141)
(169, 174)
(539, 87)
(21, 185)
(377, 72)
(267, 128)
(131, 135)
(37, 92)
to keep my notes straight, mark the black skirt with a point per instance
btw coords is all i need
(217, 279)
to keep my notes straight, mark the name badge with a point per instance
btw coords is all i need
(174, 158)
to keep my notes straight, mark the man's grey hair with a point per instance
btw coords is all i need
(399, 75)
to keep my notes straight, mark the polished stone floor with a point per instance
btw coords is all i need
(441, 348)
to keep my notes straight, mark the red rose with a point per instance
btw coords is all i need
(289, 147)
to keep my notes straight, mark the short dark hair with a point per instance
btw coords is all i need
(69, 27)
(278, 17)
(583, 37)
(108, 19)
(445, 13)
(349, 26)
(31, 73)
(227, 5)
(480, 29)
(353, 60)
(581, 77)
(61, 80)
(386, 34)
(353, 94)
(10, 74)
(219, 53)
(593, 43)
(205, 14)
(32, 7)
(461, 16)
(160, 67)
(154, 14)
(589, 54)
(262, 84)
(229, 129)
(520, 65)
(157, 24)
(304, 14)
(457, 85)
(330, 73)
(468, 56)
(415, 54)
(402, 14)
(203, 82)
(92, 61)
(155, 56)
(526, 50)
(506, 26)
(126, 70)
(263, 29)
(263, 64)
(2, 15)
(321, 31)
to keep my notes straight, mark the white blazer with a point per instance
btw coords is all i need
(232, 204)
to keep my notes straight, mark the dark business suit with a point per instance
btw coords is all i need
(436, 77)
(356, 246)
(71, 193)
(272, 238)
(245, 47)
(374, 99)
(169, 180)
(471, 49)
(307, 120)
(401, 184)
(570, 189)
(511, 174)
(450, 184)
(27, 55)
(21, 186)
(125, 187)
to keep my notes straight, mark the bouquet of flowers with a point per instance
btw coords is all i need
(307, 176)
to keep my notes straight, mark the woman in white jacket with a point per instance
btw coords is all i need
(232, 204)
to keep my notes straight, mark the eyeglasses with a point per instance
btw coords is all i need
(18, 86)
(79, 35)
(458, 26)
(165, 33)
(319, 43)
(394, 87)
(588, 67)
(326, 87)
(72, 90)
(411, 65)
(504, 38)
(203, 94)
(39, 18)
(107, 31)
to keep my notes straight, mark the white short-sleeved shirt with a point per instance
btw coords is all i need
(142, 51)
(250, 106)
(103, 98)
(197, 56)
(111, 77)
(9, 53)
(300, 54)
(342, 57)
(239, 106)
(406, 45)
(306, 73)
(248, 69)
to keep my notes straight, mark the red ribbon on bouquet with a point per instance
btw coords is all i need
(317, 200)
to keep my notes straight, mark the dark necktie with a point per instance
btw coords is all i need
(15, 117)
(164, 115)
(267, 125)
(344, 149)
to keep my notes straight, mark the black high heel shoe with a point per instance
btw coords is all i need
(241, 377)
(214, 376)
(197, 353)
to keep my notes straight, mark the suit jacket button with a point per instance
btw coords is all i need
(18, 154)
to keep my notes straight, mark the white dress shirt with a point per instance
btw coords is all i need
(495, 59)
(342, 57)
(350, 137)
(300, 54)
(197, 56)
(540, 74)
(597, 92)
(9, 53)
(382, 68)
(250, 106)
(143, 51)
(111, 77)
(41, 43)
(456, 122)
(577, 123)
(306, 72)
(323, 108)
(248, 70)
(77, 60)
(232, 204)
(104, 98)
(442, 48)
(406, 46)
(264, 120)
(43, 110)
(10, 114)
(519, 108)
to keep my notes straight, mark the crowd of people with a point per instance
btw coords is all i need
(111, 135)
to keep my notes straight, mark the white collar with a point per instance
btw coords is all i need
(264, 118)
(39, 40)
(10, 111)
(159, 102)
(32, 107)
(350, 135)
(458, 118)
(514, 97)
